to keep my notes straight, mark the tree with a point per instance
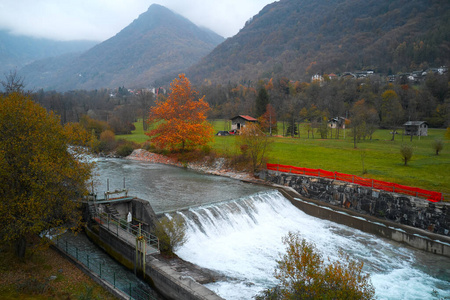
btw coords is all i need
(268, 121)
(13, 83)
(391, 111)
(171, 233)
(261, 101)
(438, 145)
(304, 275)
(255, 143)
(363, 120)
(41, 179)
(145, 99)
(181, 118)
(406, 151)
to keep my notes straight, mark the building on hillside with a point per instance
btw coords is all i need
(333, 76)
(238, 122)
(317, 78)
(419, 128)
(338, 122)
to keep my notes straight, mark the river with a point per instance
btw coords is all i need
(236, 229)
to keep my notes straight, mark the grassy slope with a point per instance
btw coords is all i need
(382, 156)
(30, 279)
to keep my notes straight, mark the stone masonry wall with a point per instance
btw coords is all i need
(402, 209)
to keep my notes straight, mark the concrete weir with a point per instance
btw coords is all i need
(415, 222)
(108, 227)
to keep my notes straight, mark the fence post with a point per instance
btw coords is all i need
(318, 173)
(334, 175)
(353, 178)
(372, 183)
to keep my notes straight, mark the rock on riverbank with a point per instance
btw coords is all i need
(215, 168)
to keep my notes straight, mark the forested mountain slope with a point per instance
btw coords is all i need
(157, 44)
(299, 38)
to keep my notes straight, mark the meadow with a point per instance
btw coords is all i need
(378, 158)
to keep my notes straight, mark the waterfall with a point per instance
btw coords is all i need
(242, 239)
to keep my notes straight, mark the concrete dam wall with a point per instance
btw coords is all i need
(417, 222)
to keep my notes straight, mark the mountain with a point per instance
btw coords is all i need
(158, 43)
(18, 51)
(300, 38)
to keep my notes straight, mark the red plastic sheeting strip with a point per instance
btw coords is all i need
(377, 184)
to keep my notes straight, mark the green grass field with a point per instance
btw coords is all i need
(381, 156)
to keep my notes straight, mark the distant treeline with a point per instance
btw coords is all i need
(292, 101)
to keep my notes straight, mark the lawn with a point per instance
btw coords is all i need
(381, 156)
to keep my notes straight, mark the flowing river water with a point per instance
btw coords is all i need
(236, 229)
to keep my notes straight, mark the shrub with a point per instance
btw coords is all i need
(107, 141)
(171, 234)
(438, 145)
(124, 150)
(303, 274)
(406, 152)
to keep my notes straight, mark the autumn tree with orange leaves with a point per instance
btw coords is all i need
(180, 119)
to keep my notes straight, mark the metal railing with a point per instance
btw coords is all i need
(97, 266)
(123, 230)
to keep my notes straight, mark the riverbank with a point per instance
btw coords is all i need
(216, 168)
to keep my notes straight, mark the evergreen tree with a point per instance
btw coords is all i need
(261, 101)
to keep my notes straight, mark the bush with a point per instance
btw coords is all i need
(303, 274)
(406, 152)
(124, 150)
(438, 145)
(107, 141)
(171, 234)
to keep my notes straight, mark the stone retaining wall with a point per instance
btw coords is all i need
(398, 208)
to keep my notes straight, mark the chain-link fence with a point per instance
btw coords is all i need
(134, 290)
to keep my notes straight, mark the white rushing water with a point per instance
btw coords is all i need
(242, 240)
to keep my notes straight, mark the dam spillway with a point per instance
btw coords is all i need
(242, 240)
(236, 229)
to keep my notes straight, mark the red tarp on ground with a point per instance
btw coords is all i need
(377, 184)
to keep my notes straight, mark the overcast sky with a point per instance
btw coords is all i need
(101, 19)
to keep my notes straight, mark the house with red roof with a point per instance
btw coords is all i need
(238, 122)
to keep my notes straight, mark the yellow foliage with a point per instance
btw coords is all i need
(304, 275)
(40, 180)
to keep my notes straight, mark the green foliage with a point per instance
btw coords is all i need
(87, 294)
(406, 151)
(253, 144)
(438, 145)
(107, 142)
(171, 234)
(40, 180)
(93, 125)
(125, 149)
(262, 100)
(303, 274)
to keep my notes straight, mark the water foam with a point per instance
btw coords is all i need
(242, 240)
